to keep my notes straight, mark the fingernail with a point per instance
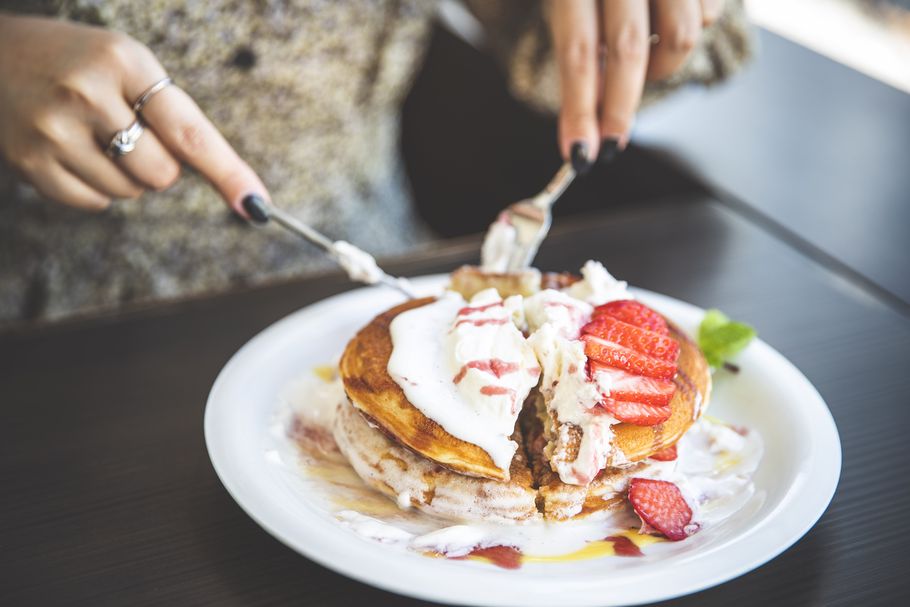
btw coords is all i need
(580, 161)
(609, 149)
(256, 207)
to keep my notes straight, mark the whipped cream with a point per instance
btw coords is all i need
(598, 286)
(467, 367)
(374, 529)
(560, 310)
(571, 397)
(498, 245)
(360, 265)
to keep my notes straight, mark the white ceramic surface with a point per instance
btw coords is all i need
(794, 483)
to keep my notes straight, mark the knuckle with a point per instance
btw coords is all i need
(629, 45)
(578, 54)
(191, 139)
(682, 39)
(74, 92)
(120, 49)
(166, 176)
(51, 127)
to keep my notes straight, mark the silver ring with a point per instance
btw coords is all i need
(149, 93)
(654, 39)
(124, 142)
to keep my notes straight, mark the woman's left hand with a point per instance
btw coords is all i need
(605, 50)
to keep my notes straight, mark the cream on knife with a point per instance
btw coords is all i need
(359, 265)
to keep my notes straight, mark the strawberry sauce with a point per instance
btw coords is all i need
(494, 366)
(474, 309)
(482, 321)
(507, 557)
(496, 391)
(623, 546)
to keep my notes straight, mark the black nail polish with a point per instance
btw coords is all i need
(255, 206)
(580, 161)
(609, 149)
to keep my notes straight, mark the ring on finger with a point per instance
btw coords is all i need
(654, 39)
(124, 141)
(150, 92)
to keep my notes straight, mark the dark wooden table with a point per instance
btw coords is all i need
(108, 496)
(812, 146)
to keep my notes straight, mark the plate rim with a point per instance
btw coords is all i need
(341, 561)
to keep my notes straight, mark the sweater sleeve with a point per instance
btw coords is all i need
(518, 36)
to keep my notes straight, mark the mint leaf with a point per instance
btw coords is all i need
(721, 338)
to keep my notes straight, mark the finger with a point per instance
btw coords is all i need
(149, 164)
(189, 136)
(54, 181)
(85, 159)
(574, 27)
(625, 35)
(678, 26)
(711, 11)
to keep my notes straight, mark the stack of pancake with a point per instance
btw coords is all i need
(402, 453)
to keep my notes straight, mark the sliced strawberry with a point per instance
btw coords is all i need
(634, 313)
(665, 455)
(615, 355)
(625, 386)
(637, 414)
(641, 340)
(661, 506)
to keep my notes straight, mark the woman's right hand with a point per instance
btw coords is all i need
(66, 89)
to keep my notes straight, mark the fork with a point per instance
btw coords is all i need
(531, 219)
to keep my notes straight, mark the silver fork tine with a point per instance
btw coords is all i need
(532, 218)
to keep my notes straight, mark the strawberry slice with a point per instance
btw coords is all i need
(618, 356)
(637, 414)
(625, 386)
(661, 506)
(634, 313)
(665, 455)
(641, 340)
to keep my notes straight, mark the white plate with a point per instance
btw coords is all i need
(794, 483)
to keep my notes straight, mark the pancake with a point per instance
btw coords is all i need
(533, 493)
(470, 280)
(370, 388)
(418, 482)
